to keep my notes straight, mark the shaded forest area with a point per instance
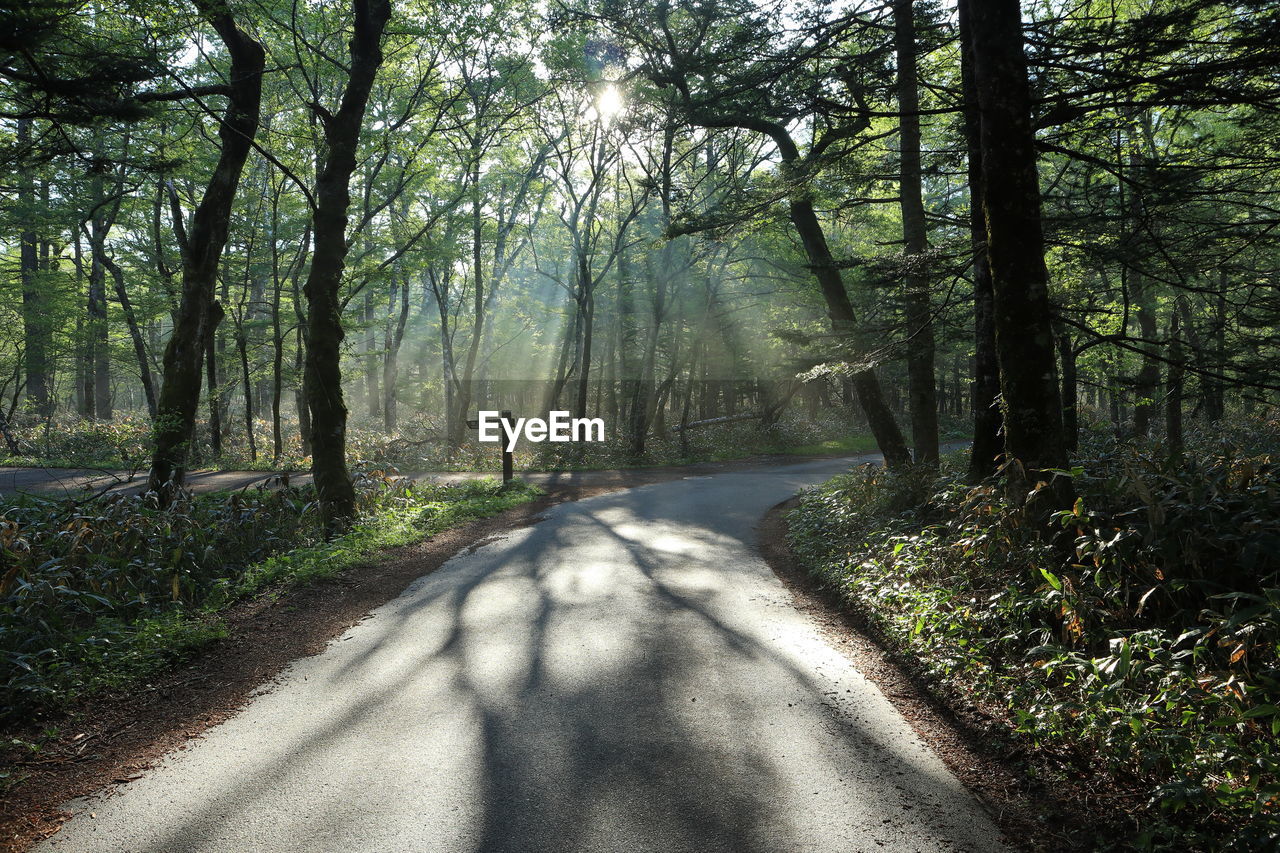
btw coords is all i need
(288, 234)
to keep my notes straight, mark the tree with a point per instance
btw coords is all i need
(202, 244)
(1032, 407)
(332, 198)
(920, 339)
(715, 88)
(987, 421)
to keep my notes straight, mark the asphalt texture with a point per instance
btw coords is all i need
(625, 675)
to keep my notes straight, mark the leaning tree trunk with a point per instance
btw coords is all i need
(198, 314)
(987, 420)
(919, 317)
(135, 333)
(1015, 245)
(879, 416)
(324, 338)
(840, 310)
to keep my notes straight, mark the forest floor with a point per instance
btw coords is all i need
(704, 601)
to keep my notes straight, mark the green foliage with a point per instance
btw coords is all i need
(98, 594)
(1144, 638)
(72, 442)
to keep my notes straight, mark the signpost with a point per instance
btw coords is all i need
(508, 466)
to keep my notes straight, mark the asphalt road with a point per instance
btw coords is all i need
(78, 481)
(627, 675)
(72, 482)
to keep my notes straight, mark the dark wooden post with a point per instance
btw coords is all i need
(508, 460)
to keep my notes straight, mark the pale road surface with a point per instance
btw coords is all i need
(627, 675)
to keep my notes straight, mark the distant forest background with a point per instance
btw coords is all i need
(652, 212)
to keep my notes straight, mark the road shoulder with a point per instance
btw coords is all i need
(968, 741)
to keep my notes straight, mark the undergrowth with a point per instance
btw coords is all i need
(1141, 638)
(97, 594)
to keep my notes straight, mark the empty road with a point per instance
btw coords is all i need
(626, 675)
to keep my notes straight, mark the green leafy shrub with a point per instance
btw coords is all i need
(1146, 643)
(73, 442)
(94, 593)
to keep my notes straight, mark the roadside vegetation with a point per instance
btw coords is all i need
(1136, 637)
(100, 593)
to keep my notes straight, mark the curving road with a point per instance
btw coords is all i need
(626, 675)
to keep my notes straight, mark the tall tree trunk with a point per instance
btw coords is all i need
(1147, 383)
(242, 346)
(391, 362)
(465, 385)
(588, 308)
(642, 401)
(277, 335)
(919, 316)
(1173, 401)
(98, 333)
(987, 418)
(300, 393)
(37, 330)
(99, 366)
(627, 389)
(83, 345)
(300, 352)
(198, 313)
(448, 365)
(277, 376)
(564, 367)
(1015, 246)
(1175, 389)
(373, 391)
(329, 225)
(1215, 391)
(215, 389)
